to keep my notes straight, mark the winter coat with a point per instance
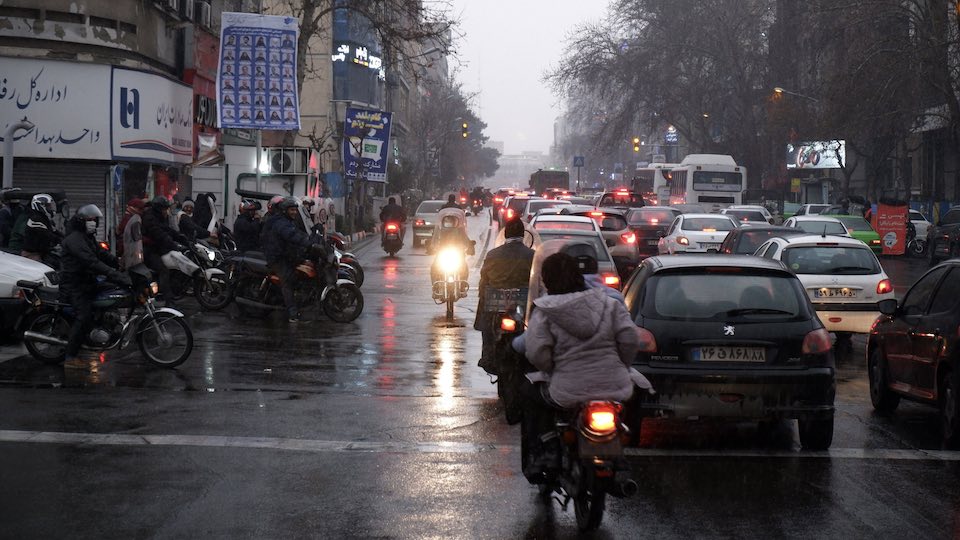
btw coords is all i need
(190, 228)
(158, 237)
(82, 261)
(17, 233)
(132, 241)
(8, 216)
(586, 341)
(284, 241)
(39, 236)
(505, 267)
(247, 233)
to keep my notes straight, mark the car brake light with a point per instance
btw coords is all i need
(884, 287)
(418, 222)
(816, 342)
(629, 238)
(600, 417)
(827, 244)
(682, 240)
(654, 221)
(596, 214)
(648, 343)
(611, 280)
(498, 199)
(709, 229)
(510, 213)
(875, 242)
(392, 227)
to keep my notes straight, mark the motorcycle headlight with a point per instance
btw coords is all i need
(211, 256)
(449, 260)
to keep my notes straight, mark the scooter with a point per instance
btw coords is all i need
(392, 237)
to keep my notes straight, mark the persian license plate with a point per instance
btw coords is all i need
(652, 242)
(834, 293)
(710, 246)
(730, 354)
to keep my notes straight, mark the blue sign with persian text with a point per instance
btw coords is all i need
(366, 144)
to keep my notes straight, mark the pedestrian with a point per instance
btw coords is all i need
(130, 238)
(135, 207)
(8, 216)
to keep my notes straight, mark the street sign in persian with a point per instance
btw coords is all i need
(366, 143)
(257, 79)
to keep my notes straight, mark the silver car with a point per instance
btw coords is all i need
(424, 221)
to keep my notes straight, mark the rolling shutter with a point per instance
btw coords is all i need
(83, 181)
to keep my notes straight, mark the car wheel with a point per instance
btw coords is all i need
(932, 254)
(816, 433)
(950, 411)
(883, 399)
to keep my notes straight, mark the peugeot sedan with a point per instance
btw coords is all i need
(696, 233)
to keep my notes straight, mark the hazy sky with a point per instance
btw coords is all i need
(507, 47)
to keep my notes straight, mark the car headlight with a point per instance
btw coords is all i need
(449, 260)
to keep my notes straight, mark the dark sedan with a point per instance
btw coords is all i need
(943, 239)
(650, 223)
(746, 240)
(914, 349)
(732, 337)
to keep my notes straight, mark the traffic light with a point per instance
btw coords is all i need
(464, 131)
(636, 144)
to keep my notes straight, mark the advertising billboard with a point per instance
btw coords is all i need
(366, 141)
(152, 117)
(816, 155)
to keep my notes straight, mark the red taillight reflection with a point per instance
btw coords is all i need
(629, 238)
(816, 342)
(648, 343)
(418, 222)
(884, 287)
(611, 280)
(392, 227)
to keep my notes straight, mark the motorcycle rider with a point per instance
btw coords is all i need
(504, 267)
(247, 226)
(189, 227)
(273, 213)
(9, 214)
(451, 202)
(81, 262)
(159, 240)
(393, 212)
(283, 246)
(584, 342)
(40, 237)
(450, 234)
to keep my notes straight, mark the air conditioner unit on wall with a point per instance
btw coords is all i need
(288, 160)
(202, 12)
(186, 9)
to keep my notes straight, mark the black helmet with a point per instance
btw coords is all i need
(249, 205)
(287, 203)
(160, 202)
(585, 254)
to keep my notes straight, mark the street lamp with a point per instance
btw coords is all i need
(8, 149)
(780, 91)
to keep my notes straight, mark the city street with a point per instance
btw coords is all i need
(386, 428)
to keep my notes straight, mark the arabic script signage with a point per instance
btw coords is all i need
(67, 102)
(366, 140)
(152, 117)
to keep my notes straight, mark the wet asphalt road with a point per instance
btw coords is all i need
(386, 428)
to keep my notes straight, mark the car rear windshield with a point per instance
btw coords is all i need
(850, 260)
(562, 225)
(659, 216)
(747, 215)
(817, 208)
(538, 205)
(607, 222)
(597, 242)
(517, 203)
(855, 223)
(621, 199)
(822, 227)
(707, 224)
(429, 207)
(725, 295)
(751, 239)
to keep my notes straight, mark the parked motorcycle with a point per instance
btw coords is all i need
(916, 247)
(391, 239)
(339, 242)
(120, 316)
(210, 287)
(452, 265)
(257, 290)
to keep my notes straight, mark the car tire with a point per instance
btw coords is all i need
(883, 399)
(816, 433)
(932, 254)
(950, 410)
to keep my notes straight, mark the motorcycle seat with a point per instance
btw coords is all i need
(256, 265)
(255, 255)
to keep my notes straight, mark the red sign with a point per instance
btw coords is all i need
(892, 228)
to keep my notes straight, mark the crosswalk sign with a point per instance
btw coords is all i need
(578, 161)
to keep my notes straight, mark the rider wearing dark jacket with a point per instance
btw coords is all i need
(451, 202)
(392, 212)
(283, 245)
(247, 227)
(40, 237)
(158, 240)
(81, 262)
(189, 226)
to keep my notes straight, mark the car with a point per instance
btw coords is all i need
(748, 215)
(746, 240)
(607, 268)
(424, 220)
(650, 223)
(817, 224)
(14, 268)
(621, 199)
(513, 206)
(841, 275)
(859, 228)
(500, 195)
(810, 209)
(943, 239)
(912, 349)
(696, 233)
(689, 208)
(534, 205)
(543, 221)
(620, 238)
(731, 336)
(920, 223)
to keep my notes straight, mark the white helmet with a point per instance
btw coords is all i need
(43, 203)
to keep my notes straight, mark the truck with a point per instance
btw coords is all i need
(542, 180)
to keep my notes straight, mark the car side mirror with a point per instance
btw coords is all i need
(611, 242)
(888, 306)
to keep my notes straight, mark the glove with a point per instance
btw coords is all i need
(120, 278)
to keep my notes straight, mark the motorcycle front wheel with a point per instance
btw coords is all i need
(344, 303)
(589, 502)
(213, 294)
(48, 324)
(166, 340)
(450, 306)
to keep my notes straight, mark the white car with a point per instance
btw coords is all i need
(696, 233)
(841, 275)
(818, 225)
(920, 222)
(558, 221)
(811, 209)
(14, 268)
(535, 205)
(732, 209)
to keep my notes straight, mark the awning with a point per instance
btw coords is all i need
(214, 157)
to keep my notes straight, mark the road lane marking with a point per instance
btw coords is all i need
(438, 447)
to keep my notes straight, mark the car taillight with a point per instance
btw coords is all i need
(884, 287)
(611, 280)
(510, 213)
(654, 221)
(648, 343)
(875, 242)
(816, 342)
(392, 227)
(596, 214)
(418, 222)
(682, 240)
(600, 418)
(498, 199)
(629, 238)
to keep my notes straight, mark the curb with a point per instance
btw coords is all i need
(357, 237)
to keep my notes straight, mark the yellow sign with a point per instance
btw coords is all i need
(794, 185)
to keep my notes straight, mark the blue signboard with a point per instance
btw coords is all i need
(578, 161)
(366, 144)
(257, 80)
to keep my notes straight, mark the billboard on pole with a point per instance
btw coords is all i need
(257, 78)
(816, 155)
(366, 143)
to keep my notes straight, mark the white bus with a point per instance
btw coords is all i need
(713, 181)
(651, 182)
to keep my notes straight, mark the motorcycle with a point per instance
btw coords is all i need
(476, 207)
(916, 246)
(452, 264)
(591, 438)
(339, 242)
(210, 286)
(257, 290)
(120, 316)
(391, 239)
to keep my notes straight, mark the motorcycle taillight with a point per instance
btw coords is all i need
(601, 418)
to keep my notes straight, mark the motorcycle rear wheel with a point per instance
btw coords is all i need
(166, 331)
(359, 269)
(50, 324)
(213, 295)
(589, 503)
(344, 303)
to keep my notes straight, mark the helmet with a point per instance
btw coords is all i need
(88, 212)
(308, 201)
(158, 202)
(448, 222)
(585, 254)
(43, 203)
(287, 203)
(187, 204)
(249, 205)
(273, 201)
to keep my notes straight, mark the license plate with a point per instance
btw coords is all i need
(730, 354)
(710, 246)
(834, 293)
(653, 242)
